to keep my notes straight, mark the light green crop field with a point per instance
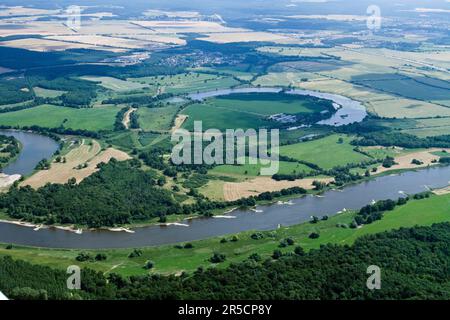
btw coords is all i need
(252, 170)
(222, 119)
(241, 75)
(268, 103)
(50, 116)
(325, 152)
(127, 140)
(185, 83)
(157, 118)
(170, 260)
(429, 127)
(115, 84)
(47, 93)
(249, 110)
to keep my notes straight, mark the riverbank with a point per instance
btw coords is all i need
(174, 259)
(280, 211)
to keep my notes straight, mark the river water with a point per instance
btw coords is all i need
(37, 147)
(300, 210)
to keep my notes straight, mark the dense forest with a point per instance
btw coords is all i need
(413, 262)
(118, 193)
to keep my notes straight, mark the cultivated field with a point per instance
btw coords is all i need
(405, 161)
(89, 154)
(159, 119)
(185, 83)
(114, 83)
(237, 190)
(47, 93)
(326, 152)
(248, 110)
(51, 116)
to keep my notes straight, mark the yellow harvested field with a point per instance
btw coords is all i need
(44, 45)
(333, 17)
(102, 41)
(186, 26)
(62, 172)
(23, 11)
(236, 190)
(442, 191)
(407, 108)
(293, 51)
(160, 38)
(40, 28)
(230, 37)
(404, 161)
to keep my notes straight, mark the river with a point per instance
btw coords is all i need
(37, 147)
(301, 209)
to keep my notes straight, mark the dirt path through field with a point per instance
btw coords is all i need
(236, 190)
(127, 117)
(90, 154)
(179, 120)
(404, 161)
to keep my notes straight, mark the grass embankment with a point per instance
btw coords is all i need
(169, 259)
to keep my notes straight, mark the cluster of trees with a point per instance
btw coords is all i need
(388, 138)
(138, 100)
(55, 132)
(134, 120)
(78, 93)
(14, 91)
(373, 212)
(118, 193)
(411, 259)
(9, 148)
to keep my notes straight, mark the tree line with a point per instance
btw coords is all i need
(413, 261)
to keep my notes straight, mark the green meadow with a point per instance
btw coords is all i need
(157, 118)
(50, 116)
(268, 103)
(253, 170)
(327, 152)
(249, 110)
(184, 83)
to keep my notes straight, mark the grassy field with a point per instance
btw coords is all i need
(47, 93)
(185, 83)
(429, 127)
(252, 170)
(248, 110)
(221, 119)
(266, 104)
(241, 75)
(50, 116)
(158, 119)
(115, 84)
(169, 259)
(326, 152)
